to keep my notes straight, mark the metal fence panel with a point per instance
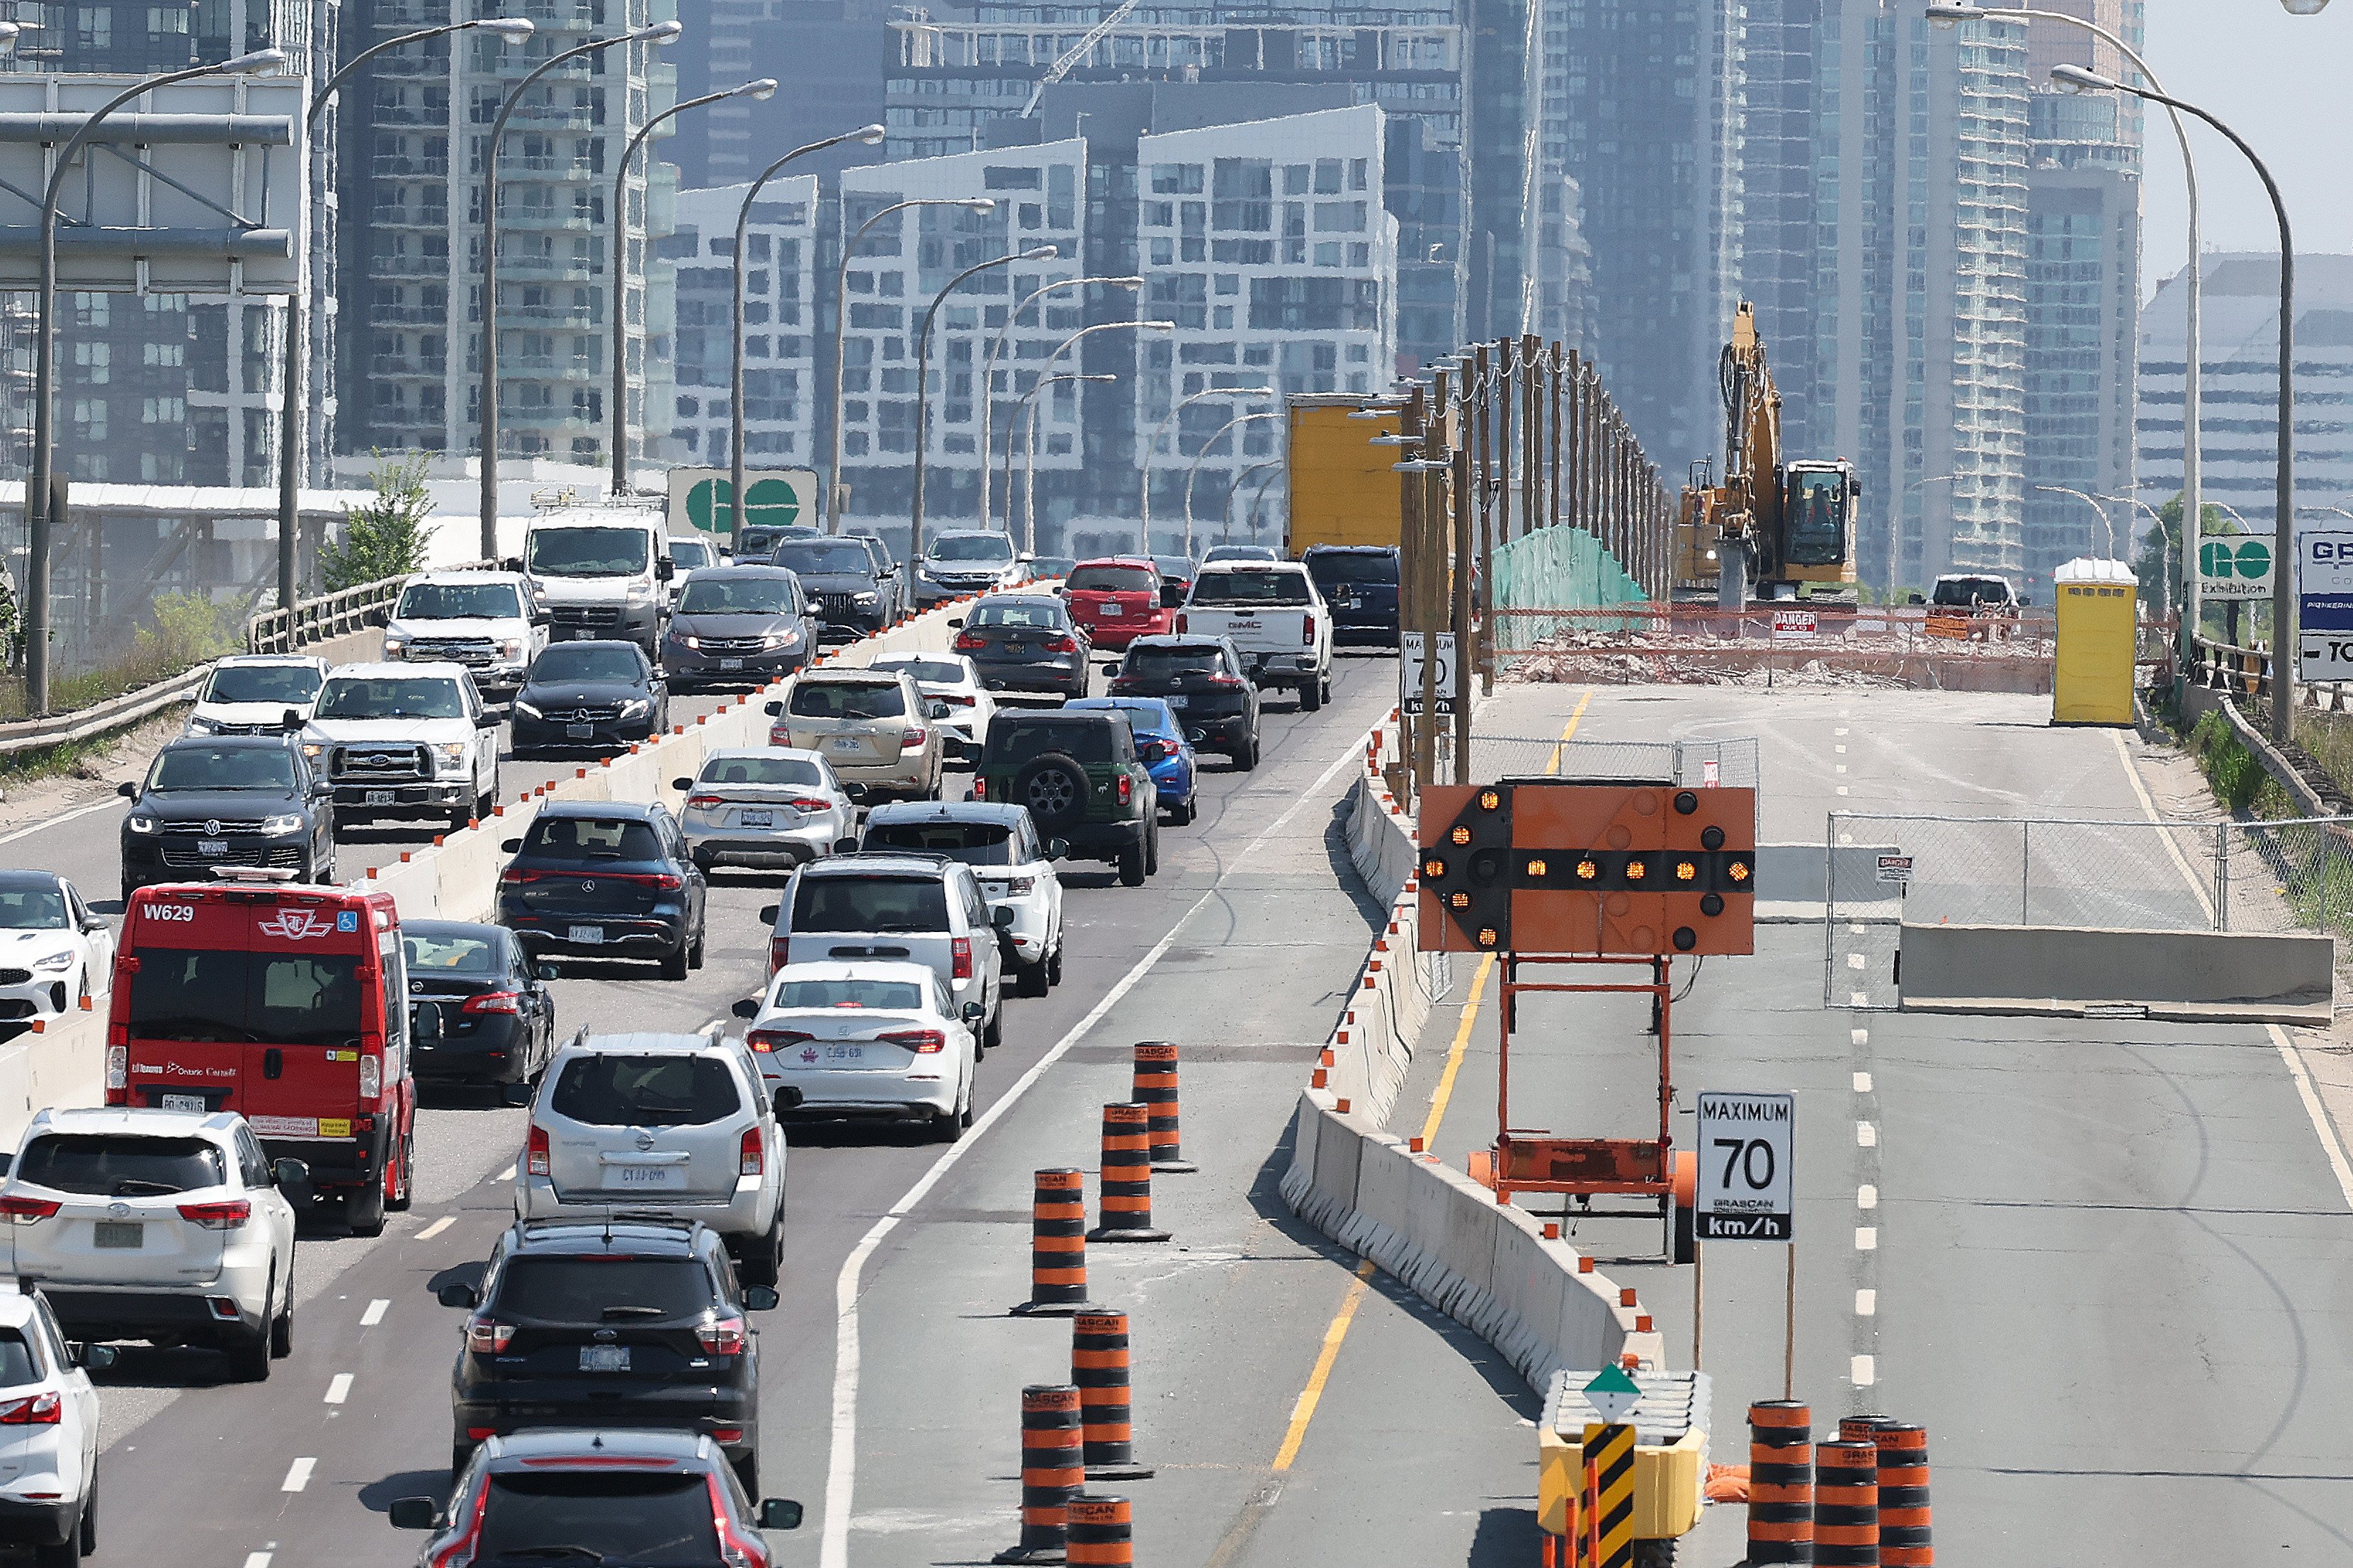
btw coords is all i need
(1731, 763)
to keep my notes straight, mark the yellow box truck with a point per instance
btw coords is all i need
(1342, 488)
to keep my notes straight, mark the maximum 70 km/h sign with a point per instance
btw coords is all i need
(1747, 1149)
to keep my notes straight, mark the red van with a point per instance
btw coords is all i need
(1117, 599)
(285, 1003)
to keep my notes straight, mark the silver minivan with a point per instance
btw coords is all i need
(918, 908)
(675, 1124)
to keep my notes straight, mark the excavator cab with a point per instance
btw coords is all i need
(1818, 512)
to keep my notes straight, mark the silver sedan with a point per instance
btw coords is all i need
(767, 806)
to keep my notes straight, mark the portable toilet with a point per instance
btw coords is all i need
(2097, 630)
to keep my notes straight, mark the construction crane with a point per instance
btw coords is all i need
(1780, 529)
(1075, 54)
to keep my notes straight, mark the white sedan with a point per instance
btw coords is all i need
(865, 1039)
(950, 678)
(53, 950)
(765, 806)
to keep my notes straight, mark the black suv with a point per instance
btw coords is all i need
(597, 878)
(847, 595)
(635, 1320)
(1083, 782)
(227, 800)
(1360, 582)
(1202, 679)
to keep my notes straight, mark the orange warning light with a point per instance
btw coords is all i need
(1538, 867)
(1489, 800)
(1685, 871)
(1461, 900)
(1636, 870)
(1486, 936)
(1737, 870)
(1461, 835)
(1433, 866)
(1587, 871)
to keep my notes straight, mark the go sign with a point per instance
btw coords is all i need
(1747, 1147)
(2234, 568)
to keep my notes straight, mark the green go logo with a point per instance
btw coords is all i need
(2247, 558)
(772, 504)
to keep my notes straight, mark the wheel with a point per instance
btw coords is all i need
(403, 1177)
(747, 1471)
(1131, 867)
(489, 799)
(763, 1259)
(363, 1209)
(674, 964)
(947, 1126)
(1247, 758)
(1181, 814)
(1053, 786)
(249, 1355)
(1311, 696)
(89, 1516)
(1324, 687)
(1654, 1554)
(1686, 1239)
(282, 1327)
(1152, 849)
(694, 954)
(60, 1555)
(1054, 964)
(1031, 980)
(992, 1033)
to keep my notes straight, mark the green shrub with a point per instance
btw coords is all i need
(2228, 764)
(385, 538)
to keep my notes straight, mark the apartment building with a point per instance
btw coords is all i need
(780, 337)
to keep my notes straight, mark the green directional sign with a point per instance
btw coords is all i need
(702, 499)
(1612, 1394)
(2234, 568)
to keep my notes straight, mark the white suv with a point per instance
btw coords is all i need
(251, 693)
(1015, 868)
(406, 740)
(483, 620)
(166, 1225)
(679, 1124)
(898, 905)
(49, 1433)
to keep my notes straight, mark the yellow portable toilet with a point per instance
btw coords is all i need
(2093, 682)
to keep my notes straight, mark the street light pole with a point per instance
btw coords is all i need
(1026, 413)
(923, 378)
(1151, 447)
(1895, 525)
(2284, 639)
(1258, 500)
(45, 369)
(988, 380)
(1195, 471)
(487, 423)
(762, 90)
(1060, 349)
(513, 30)
(1226, 535)
(2101, 512)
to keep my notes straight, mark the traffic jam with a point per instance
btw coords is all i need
(278, 1039)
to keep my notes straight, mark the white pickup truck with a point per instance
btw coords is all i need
(1276, 619)
(405, 741)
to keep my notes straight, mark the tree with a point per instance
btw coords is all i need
(2157, 562)
(385, 538)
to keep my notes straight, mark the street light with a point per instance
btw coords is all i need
(2193, 373)
(1195, 472)
(1026, 412)
(2283, 649)
(759, 90)
(1225, 536)
(1895, 525)
(1144, 461)
(988, 376)
(923, 376)
(2096, 506)
(44, 368)
(2303, 7)
(657, 33)
(1258, 499)
(1060, 349)
(513, 30)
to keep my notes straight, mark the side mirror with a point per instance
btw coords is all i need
(290, 720)
(779, 1513)
(486, 721)
(464, 1296)
(774, 709)
(938, 709)
(93, 925)
(540, 618)
(768, 914)
(1002, 919)
(1196, 736)
(747, 1008)
(127, 790)
(92, 1358)
(415, 1513)
(425, 1022)
(512, 846)
(760, 1298)
(1171, 598)
(973, 1012)
(292, 1177)
(515, 1093)
(955, 623)
(682, 784)
(547, 971)
(664, 569)
(845, 846)
(1058, 849)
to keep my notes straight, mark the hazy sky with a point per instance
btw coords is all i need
(2281, 82)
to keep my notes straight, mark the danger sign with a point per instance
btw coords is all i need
(1794, 625)
(1895, 869)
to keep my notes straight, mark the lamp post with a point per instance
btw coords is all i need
(1895, 524)
(988, 377)
(2284, 644)
(659, 33)
(1144, 458)
(1026, 413)
(1195, 472)
(2101, 511)
(1043, 369)
(760, 90)
(2193, 373)
(841, 332)
(1227, 535)
(923, 378)
(2164, 545)
(44, 368)
(513, 30)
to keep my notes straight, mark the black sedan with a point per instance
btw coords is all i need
(848, 593)
(742, 626)
(1203, 682)
(227, 800)
(1026, 642)
(498, 1019)
(589, 696)
(597, 879)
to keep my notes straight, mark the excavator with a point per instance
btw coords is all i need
(1774, 529)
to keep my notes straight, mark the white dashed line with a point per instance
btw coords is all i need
(1860, 1036)
(298, 1475)
(1841, 767)
(1866, 1303)
(1863, 1372)
(1866, 1238)
(374, 1313)
(505, 1175)
(1859, 998)
(1838, 732)
(1866, 1136)
(1866, 1197)
(437, 1228)
(340, 1388)
(1842, 789)
(1839, 750)
(257, 1559)
(1861, 1079)
(1855, 960)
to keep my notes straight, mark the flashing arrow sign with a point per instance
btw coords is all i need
(1612, 1394)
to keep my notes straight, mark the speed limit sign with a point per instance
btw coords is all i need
(1747, 1147)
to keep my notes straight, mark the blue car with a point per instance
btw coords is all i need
(1160, 745)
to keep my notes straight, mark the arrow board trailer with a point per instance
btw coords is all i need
(1747, 1149)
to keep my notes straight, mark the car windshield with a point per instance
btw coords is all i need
(691, 555)
(1970, 591)
(1114, 579)
(121, 1165)
(1022, 613)
(848, 700)
(257, 998)
(926, 672)
(892, 996)
(453, 601)
(591, 838)
(668, 1090)
(588, 662)
(586, 551)
(451, 953)
(1013, 742)
(557, 1289)
(38, 907)
(1248, 588)
(641, 1519)
(1159, 662)
(761, 771)
(806, 555)
(391, 697)
(869, 904)
(268, 768)
(735, 593)
(1370, 567)
(972, 547)
(973, 843)
(289, 683)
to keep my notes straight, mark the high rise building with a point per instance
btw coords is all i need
(412, 334)
(733, 42)
(780, 381)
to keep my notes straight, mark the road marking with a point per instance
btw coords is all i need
(1858, 1037)
(1866, 1238)
(1866, 1303)
(1311, 1395)
(374, 1313)
(298, 1475)
(340, 1388)
(1863, 1370)
(435, 1228)
(1842, 789)
(1861, 1079)
(1855, 960)
(2329, 1141)
(2132, 777)
(1866, 1136)
(48, 823)
(841, 1469)
(1866, 1197)
(505, 1175)
(1839, 750)
(1858, 998)
(1839, 732)
(257, 1559)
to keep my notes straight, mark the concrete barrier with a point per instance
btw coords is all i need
(2274, 977)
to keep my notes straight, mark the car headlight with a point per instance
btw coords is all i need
(512, 647)
(637, 707)
(392, 647)
(688, 642)
(290, 822)
(527, 710)
(138, 824)
(202, 727)
(312, 748)
(55, 960)
(638, 593)
(452, 754)
(866, 598)
(780, 639)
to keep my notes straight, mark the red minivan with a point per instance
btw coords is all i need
(285, 1003)
(1117, 599)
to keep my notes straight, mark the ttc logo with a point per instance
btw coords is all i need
(297, 925)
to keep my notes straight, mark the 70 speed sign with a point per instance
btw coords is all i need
(1748, 1148)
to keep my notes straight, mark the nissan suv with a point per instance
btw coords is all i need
(1080, 777)
(406, 740)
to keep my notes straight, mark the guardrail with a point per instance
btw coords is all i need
(62, 728)
(335, 615)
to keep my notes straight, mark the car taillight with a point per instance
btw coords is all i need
(460, 1553)
(724, 1337)
(118, 1067)
(735, 1546)
(666, 882)
(494, 1002)
(752, 1154)
(486, 1338)
(780, 734)
(912, 740)
(960, 947)
(953, 701)
(979, 789)
(922, 1042)
(371, 1076)
(513, 876)
(703, 802)
(769, 1041)
(1306, 630)
(778, 951)
(1225, 680)
(39, 1410)
(968, 642)
(1063, 645)
(810, 802)
(1181, 620)
(27, 1210)
(226, 1215)
(534, 1152)
(1127, 789)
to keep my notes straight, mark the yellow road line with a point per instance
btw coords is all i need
(1313, 1395)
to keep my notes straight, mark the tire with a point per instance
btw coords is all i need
(1054, 964)
(249, 1355)
(992, 1033)
(363, 1209)
(63, 1553)
(1131, 867)
(1031, 981)
(747, 1472)
(1247, 758)
(407, 1175)
(88, 1532)
(1311, 696)
(674, 964)
(1053, 786)
(1181, 814)
(764, 1260)
(282, 1327)
(694, 953)
(1152, 849)
(947, 1126)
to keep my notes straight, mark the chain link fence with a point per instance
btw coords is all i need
(1730, 764)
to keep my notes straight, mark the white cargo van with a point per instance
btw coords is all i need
(598, 572)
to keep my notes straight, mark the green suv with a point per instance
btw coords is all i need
(1079, 775)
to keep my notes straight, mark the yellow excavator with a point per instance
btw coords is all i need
(1773, 530)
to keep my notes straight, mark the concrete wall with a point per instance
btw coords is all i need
(2259, 976)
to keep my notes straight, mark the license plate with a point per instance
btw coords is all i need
(380, 798)
(845, 1053)
(727, 664)
(579, 731)
(586, 936)
(846, 743)
(1017, 647)
(184, 1102)
(604, 1358)
(759, 819)
(1176, 702)
(646, 1178)
(1112, 610)
(212, 846)
(129, 1236)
